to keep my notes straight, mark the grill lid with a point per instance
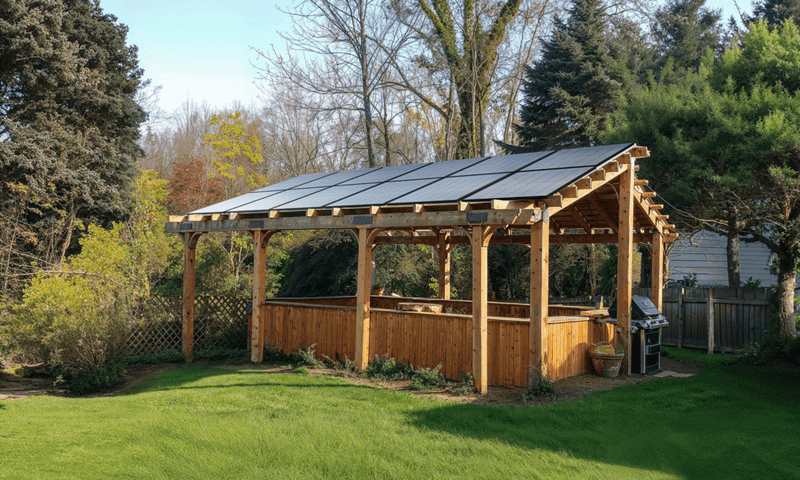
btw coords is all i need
(641, 309)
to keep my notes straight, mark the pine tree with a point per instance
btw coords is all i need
(684, 30)
(569, 91)
(775, 11)
(69, 127)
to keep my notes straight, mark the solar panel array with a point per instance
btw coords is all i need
(521, 176)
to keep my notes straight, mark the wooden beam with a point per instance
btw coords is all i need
(538, 355)
(581, 221)
(648, 194)
(189, 247)
(512, 239)
(363, 299)
(554, 201)
(662, 217)
(625, 268)
(603, 212)
(639, 152)
(625, 159)
(569, 192)
(656, 206)
(657, 272)
(641, 183)
(258, 324)
(444, 265)
(177, 218)
(480, 309)
(199, 218)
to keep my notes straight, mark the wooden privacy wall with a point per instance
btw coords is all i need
(428, 339)
(740, 316)
(464, 307)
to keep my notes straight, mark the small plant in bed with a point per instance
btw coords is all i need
(424, 379)
(386, 368)
(542, 387)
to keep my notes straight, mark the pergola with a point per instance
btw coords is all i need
(583, 195)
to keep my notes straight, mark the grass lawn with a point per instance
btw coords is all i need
(205, 422)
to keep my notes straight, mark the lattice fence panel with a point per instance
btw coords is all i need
(156, 325)
(220, 322)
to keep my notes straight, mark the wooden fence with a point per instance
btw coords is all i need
(739, 317)
(428, 339)
(220, 322)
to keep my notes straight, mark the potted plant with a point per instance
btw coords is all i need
(377, 290)
(606, 360)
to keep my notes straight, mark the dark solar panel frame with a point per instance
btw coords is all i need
(227, 205)
(385, 174)
(274, 201)
(326, 196)
(437, 170)
(569, 158)
(295, 182)
(439, 182)
(503, 164)
(448, 189)
(530, 184)
(381, 193)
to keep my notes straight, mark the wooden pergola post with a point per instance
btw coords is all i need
(189, 246)
(625, 265)
(444, 265)
(540, 270)
(260, 240)
(657, 275)
(481, 236)
(363, 297)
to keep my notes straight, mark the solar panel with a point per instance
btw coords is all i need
(537, 184)
(294, 182)
(269, 203)
(337, 178)
(384, 174)
(503, 163)
(579, 157)
(440, 169)
(382, 194)
(326, 196)
(447, 189)
(227, 205)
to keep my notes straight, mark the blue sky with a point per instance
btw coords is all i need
(201, 49)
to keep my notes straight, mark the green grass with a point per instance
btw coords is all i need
(202, 422)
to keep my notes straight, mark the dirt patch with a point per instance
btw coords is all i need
(566, 389)
(15, 387)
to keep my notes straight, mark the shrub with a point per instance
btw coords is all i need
(388, 368)
(102, 377)
(541, 387)
(309, 357)
(426, 378)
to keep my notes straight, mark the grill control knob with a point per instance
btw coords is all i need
(634, 329)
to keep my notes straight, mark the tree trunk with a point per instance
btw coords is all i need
(365, 90)
(787, 321)
(734, 274)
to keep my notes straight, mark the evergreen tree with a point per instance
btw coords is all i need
(68, 127)
(684, 30)
(569, 91)
(775, 11)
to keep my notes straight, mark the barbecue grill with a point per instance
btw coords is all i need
(646, 325)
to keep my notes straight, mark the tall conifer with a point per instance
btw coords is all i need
(569, 91)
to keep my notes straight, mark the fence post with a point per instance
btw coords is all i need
(680, 317)
(711, 321)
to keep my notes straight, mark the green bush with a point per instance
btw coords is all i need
(542, 387)
(426, 378)
(388, 368)
(102, 377)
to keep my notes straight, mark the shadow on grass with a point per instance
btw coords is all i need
(728, 423)
(179, 379)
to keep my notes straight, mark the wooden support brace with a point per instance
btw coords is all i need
(363, 298)
(481, 236)
(625, 268)
(258, 324)
(538, 354)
